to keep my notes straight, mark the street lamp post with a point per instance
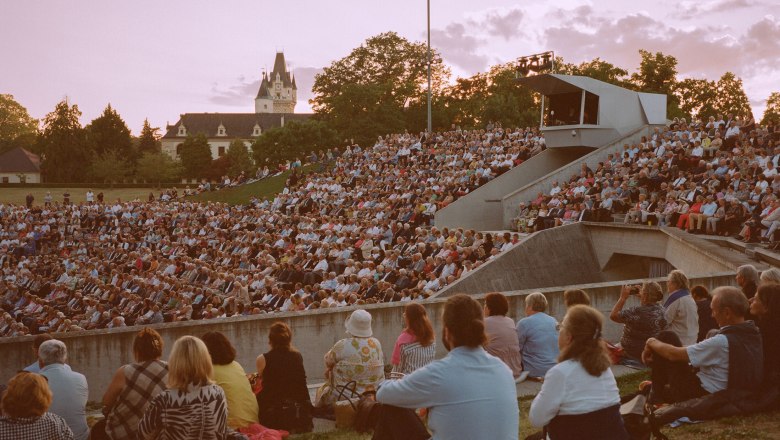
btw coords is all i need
(429, 68)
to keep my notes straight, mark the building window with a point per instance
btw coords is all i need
(221, 131)
(182, 130)
(256, 131)
(5, 179)
(221, 151)
(178, 150)
(265, 106)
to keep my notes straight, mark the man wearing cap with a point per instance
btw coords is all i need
(469, 393)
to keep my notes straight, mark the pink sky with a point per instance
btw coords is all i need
(158, 59)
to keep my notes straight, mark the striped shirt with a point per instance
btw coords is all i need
(198, 414)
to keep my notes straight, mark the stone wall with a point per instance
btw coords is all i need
(98, 354)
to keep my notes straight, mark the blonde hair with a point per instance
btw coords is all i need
(28, 395)
(679, 279)
(536, 301)
(189, 363)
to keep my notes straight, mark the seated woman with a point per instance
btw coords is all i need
(579, 397)
(284, 399)
(230, 375)
(193, 406)
(640, 322)
(24, 410)
(765, 306)
(415, 346)
(573, 297)
(357, 358)
(502, 339)
(132, 388)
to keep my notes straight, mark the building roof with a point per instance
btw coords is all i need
(19, 160)
(237, 125)
(264, 90)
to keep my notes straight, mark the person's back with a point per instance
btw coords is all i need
(199, 413)
(469, 393)
(143, 381)
(538, 343)
(70, 392)
(503, 342)
(682, 315)
(242, 404)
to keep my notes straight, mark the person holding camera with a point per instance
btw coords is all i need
(640, 322)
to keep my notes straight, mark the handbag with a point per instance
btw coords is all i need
(344, 408)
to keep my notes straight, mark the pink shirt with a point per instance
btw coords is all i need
(406, 337)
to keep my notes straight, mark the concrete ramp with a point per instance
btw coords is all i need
(482, 208)
(584, 253)
(511, 201)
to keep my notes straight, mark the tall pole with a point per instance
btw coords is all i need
(429, 67)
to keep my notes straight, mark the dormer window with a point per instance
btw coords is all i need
(182, 130)
(257, 131)
(221, 130)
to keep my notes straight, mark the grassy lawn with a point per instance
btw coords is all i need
(758, 427)
(77, 195)
(240, 195)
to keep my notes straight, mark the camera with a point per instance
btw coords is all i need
(634, 290)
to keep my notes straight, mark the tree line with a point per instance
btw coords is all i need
(380, 87)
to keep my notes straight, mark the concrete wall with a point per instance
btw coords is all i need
(543, 184)
(481, 209)
(98, 354)
(579, 253)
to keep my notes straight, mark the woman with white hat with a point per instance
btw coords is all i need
(357, 358)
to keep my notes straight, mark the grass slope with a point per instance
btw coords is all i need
(241, 194)
(760, 426)
(77, 195)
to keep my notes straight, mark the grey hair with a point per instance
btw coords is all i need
(536, 301)
(53, 351)
(771, 276)
(748, 272)
(732, 298)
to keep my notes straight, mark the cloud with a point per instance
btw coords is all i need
(459, 48)
(243, 91)
(504, 24)
(462, 43)
(697, 9)
(706, 50)
(241, 94)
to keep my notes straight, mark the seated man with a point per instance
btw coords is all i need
(732, 359)
(68, 388)
(482, 402)
(538, 337)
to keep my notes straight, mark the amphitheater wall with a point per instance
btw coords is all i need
(98, 354)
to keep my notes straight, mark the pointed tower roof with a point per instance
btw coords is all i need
(264, 90)
(280, 68)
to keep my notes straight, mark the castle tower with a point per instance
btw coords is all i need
(278, 92)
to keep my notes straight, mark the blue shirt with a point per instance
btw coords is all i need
(538, 343)
(470, 395)
(69, 397)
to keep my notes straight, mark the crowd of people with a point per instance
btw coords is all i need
(201, 391)
(359, 231)
(718, 177)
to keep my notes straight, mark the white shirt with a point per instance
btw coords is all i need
(711, 357)
(570, 390)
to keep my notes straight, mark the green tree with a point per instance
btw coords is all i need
(772, 111)
(110, 168)
(108, 133)
(596, 69)
(63, 145)
(658, 74)
(294, 140)
(697, 97)
(239, 158)
(365, 93)
(731, 97)
(195, 156)
(17, 127)
(157, 167)
(149, 140)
